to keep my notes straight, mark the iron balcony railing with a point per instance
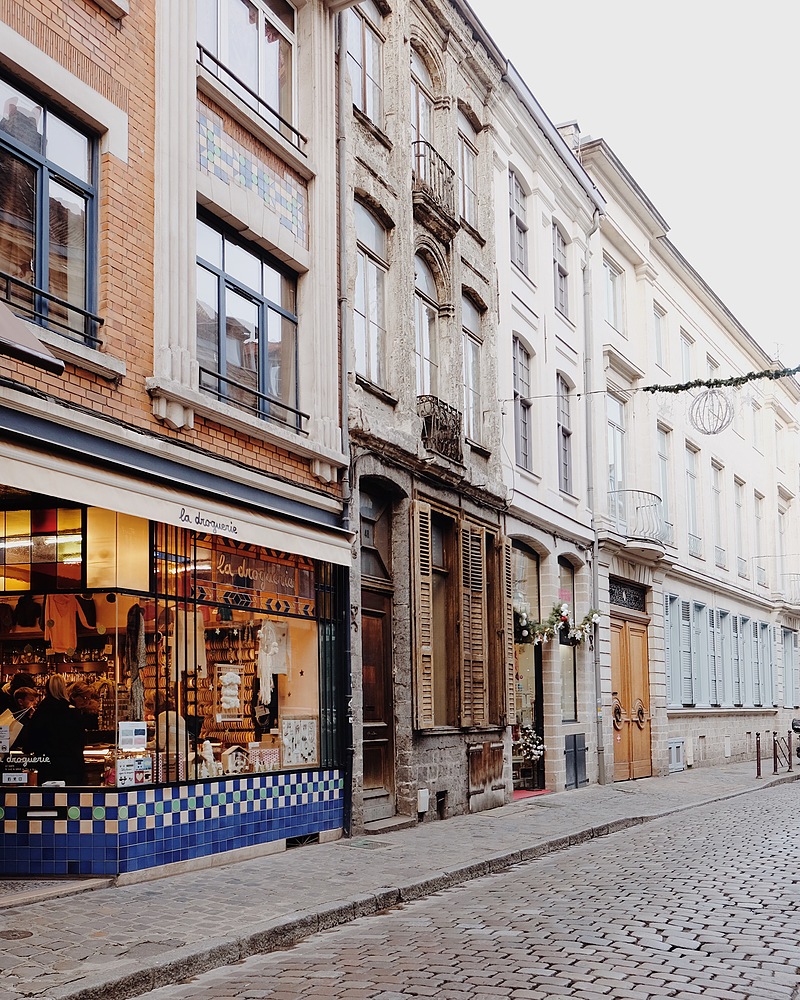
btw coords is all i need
(435, 175)
(49, 311)
(639, 516)
(236, 85)
(441, 427)
(228, 390)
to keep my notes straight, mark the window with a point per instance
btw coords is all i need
(780, 447)
(473, 406)
(758, 442)
(566, 650)
(421, 114)
(686, 356)
(252, 43)
(659, 335)
(462, 575)
(48, 206)
(517, 201)
(467, 170)
(365, 59)
(714, 676)
(560, 271)
(712, 368)
(528, 688)
(614, 280)
(738, 526)
(426, 314)
(522, 405)
(616, 461)
(720, 557)
(781, 560)
(564, 435)
(370, 297)
(246, 326)
(663, 444)
(758, 518)
(692, 513)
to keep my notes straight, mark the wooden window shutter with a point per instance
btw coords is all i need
(423, 616)
(510, 667)
(474, 680)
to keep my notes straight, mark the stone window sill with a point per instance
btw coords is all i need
(86, 358)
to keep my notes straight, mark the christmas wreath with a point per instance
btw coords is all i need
(559, 624)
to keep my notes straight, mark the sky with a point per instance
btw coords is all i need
(698, 100)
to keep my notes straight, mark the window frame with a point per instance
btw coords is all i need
(521, 363)
(368, 20)
(467, 172)
(472, 343)
(426, 362)
(45, 171)
(370, 262)
(560, 271)
(564, 431)
(226, 281)
(518, 212)
(615, 294)
(693, 512)
(659, 332)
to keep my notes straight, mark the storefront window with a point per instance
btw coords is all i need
(528, 772)
(146, 653)
(566, 649)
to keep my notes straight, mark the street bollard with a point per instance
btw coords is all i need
(774, 753)
(758, 755)
(789, 745)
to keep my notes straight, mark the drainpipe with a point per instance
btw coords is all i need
(344, 328)
(590, 491)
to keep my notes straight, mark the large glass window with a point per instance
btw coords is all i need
(564, 435)
(560, 271)
(251, 44)
(473, 405)
(421, 115)
(426, 314)
(616, 461)
(370, 297)
(246, 327)
(692, 503)
(365, 59)
(467, 170)
(566, 649)
(47, 215)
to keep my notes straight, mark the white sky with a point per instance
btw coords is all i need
(698, 99)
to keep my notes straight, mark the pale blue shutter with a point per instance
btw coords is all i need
(796, 668)
(755, 660)
(687, 681)
(713, 657)
(736, 661)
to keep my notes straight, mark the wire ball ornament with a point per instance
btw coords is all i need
(711, 411)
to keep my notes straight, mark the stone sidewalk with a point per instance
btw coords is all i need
(122, 941)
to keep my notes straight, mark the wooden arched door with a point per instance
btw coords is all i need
(630, 693)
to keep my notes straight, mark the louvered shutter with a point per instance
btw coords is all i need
(755, 660)
(672, 688)
(714, 658)
(510, 667)
(474, 687)
(796, 668)
(423, 617)
(736, 661)
(687, 681)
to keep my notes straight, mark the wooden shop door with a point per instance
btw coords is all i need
(630, 692)
(378, 739)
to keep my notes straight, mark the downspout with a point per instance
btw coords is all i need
(590, 491)
(344, 333)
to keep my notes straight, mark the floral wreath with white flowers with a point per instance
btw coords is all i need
(529, 746)
(560, 624)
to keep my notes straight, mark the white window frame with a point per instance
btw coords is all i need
(564, 424)
(615, 421)
(518, 209)
(686, 356)
(467, 171)
(522, 405)
(615, 298)
(717, 490)
(659, 334)
(560, 271)
(426, 330)
(369, 300)
(738, 527)
(693, 521)
(664, 439)
(365, 23)
(758, 526)
(472, 348)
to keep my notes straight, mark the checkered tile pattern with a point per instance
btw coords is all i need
(107, 832)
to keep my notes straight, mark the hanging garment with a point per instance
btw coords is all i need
(61, 615)
(272, 658)
(28, 612)
(135, 661)
(188, 645)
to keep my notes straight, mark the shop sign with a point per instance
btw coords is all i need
(208, 523)
(134, 771)
(132, 735)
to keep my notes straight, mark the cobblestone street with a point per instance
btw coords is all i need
(702, 903)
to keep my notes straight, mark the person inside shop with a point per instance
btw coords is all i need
(54, 737)
(9, 689)
(84, 697)
(26, 699)
(170, 725)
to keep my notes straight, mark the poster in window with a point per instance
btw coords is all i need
(299, 741)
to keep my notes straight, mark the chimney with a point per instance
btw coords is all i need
(571, 134)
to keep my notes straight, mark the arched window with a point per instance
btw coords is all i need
(473, 406)
(421, 114)
(426, 314)
(369, 310)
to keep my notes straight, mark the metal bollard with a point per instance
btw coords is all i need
(758, 755)
(789, 745)
(774, 753)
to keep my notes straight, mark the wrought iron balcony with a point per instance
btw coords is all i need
(434, 190)
(441, 427)
(639, 516)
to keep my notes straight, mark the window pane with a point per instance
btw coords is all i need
(207, 24)
(377, 321)
(241, 348)
(369, 231)
(207, 325)
(281, 372)
(17, 222)
(68, 148)
(284, 12)
(22, 118)
(67, 251)
(374, 76)
(360, 318)
(209, 244)
(243, 266)
(277, 82)
(241, 50)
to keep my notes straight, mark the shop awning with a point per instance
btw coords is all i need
(59, 477)
(19, 342)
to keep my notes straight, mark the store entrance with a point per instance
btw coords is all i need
(630, 691)
(378, 740)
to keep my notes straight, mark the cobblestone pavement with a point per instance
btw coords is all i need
(123, 941)
(702, 904)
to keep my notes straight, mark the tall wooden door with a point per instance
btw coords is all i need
(630, 692)
(378, 741)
